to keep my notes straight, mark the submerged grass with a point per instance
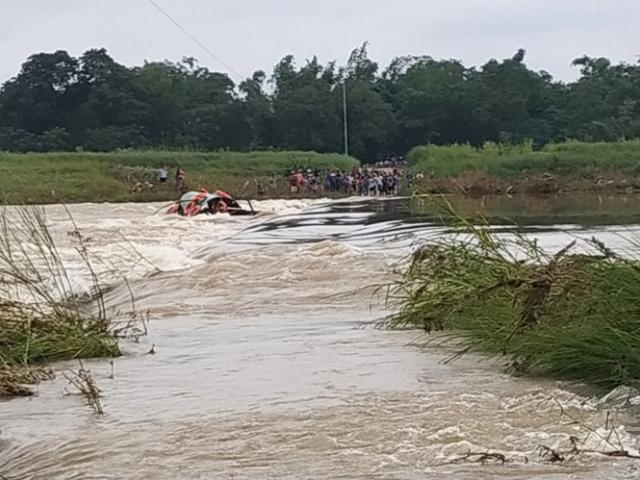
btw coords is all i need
(564, 315)
(42, 318)
(83, 382)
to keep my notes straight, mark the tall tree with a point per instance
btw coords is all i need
(371, 120)
(257, 110)
(35, 100)
(57, 102)
(432, 103)
(305, 117)
(604, 104)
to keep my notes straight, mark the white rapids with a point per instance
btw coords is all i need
(268, 365)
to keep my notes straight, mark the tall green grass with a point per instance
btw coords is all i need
(562, 315)
(228, 163)
(569, 158)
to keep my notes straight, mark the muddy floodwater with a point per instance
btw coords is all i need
(267, 364)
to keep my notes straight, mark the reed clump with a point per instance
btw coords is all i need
(564, 315)
(42, 317)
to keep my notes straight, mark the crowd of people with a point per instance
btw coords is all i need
(381, 178)
(365, 181)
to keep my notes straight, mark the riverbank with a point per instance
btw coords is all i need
(508, 169)
(131, 176)
(570, 208)
(566, 315)
(493, 170)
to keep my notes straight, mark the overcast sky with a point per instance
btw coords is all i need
(255, 34)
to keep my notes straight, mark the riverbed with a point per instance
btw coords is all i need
(267, 362)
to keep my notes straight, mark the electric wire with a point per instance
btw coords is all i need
(194, 39)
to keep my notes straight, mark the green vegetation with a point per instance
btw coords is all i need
(568, 158)
(42, 319)
(60, 103)
(227, 163)
(113, 177)
(565, 315)
(35, 339)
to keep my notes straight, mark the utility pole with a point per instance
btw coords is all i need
(345, 117)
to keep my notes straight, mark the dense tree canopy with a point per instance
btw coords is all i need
(57, 102)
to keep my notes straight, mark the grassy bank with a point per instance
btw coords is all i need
(131, 175)
(570, 158)
(563, 315)
(576, 208)
(42, 319)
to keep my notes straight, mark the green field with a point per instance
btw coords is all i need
(569, 158)
(115, 177)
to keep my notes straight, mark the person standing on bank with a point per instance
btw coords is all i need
(180, 175)
(163, 174)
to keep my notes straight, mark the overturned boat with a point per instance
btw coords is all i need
(203, 202)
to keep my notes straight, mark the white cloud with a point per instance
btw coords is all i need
(253, 34)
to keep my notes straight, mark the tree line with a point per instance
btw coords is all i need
(58, 102)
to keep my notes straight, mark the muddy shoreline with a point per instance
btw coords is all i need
(478, 184)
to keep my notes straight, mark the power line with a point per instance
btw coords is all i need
(194, 39)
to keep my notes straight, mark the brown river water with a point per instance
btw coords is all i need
(268, 364)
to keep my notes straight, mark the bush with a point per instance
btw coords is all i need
(108, 139)
(18, 140)
(55, 140)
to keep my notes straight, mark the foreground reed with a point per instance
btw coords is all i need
(42, 317)
(563, 315)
